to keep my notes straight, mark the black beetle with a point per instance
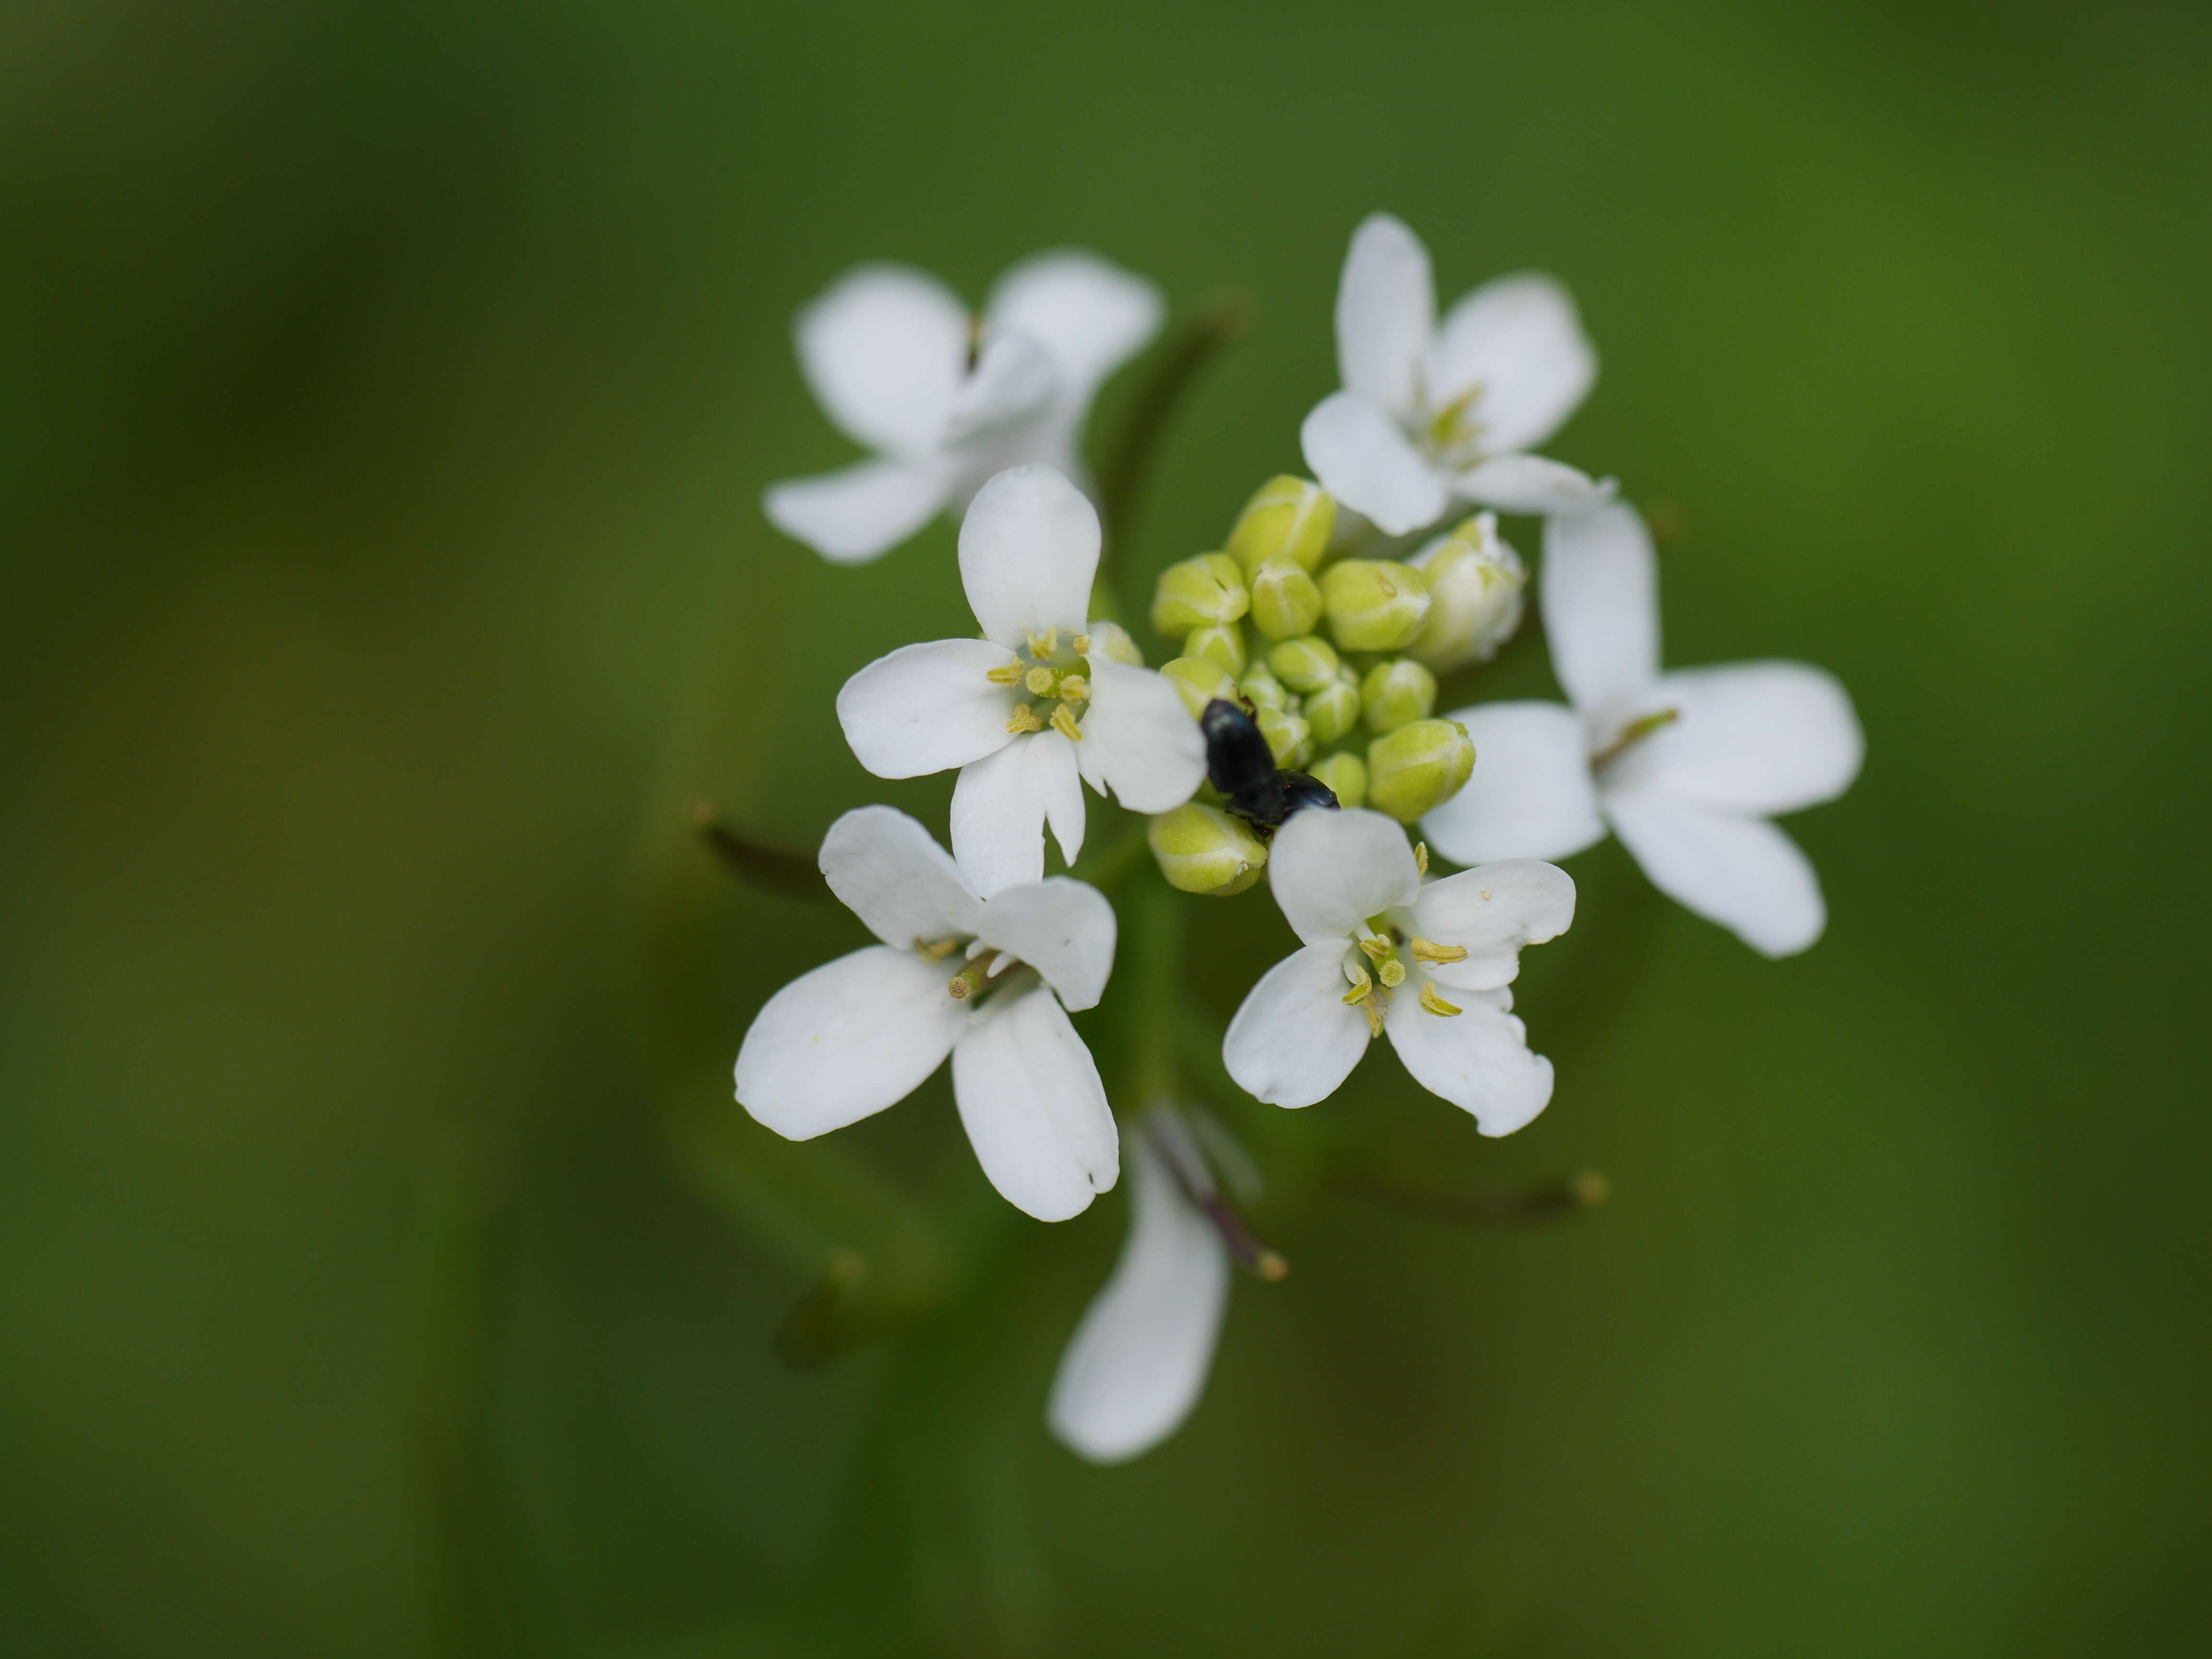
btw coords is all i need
(1239, 764)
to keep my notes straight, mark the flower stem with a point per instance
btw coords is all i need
(1155, 933)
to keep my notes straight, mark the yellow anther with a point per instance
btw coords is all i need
(1063, 721)
(1421, 857)
(1427, 950)
(1074, 688)
(1377, 949)
(1082, 644)
(1392, 973)
(1362, 989)
(934, 949)
(1006, 674)
(962, 985)
(1374, 1018)
(1041, 682)
(1435, 1004)
(1044, 644)
(1024, 720)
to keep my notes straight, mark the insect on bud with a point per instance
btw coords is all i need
(1417, 767)
(1305, 665)
(1221, 642)
(1199, 593)
(1345, 773)
(1287, 518)
(1374, 605)
(1262, 689)
(1334, 709)
(1476, 583)
(1289, 738)
(1285, 600)
(1112, 641)
(1199, 681)
(1397, 693)
(1201, 849)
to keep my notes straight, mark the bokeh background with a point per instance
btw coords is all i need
(387, 392)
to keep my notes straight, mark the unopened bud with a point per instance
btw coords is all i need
(1285, 600)
(1197, 593)
(1201, 849)
(1262, 689)
(1221, 642)
(1111, 641)
(1476, 583)
(1288, 519)
(1417, 767)
(1305, 665)
(1397, 692)
(1345, 773)
(1334, 709)
(1373, 605)
(1199, 681)
(1289, 738)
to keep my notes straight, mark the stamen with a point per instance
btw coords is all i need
(1377, 949)
(1362, 988)
(1435, 1004)
(1082, 644)
(1041, 682)
(1427, 950)
(1006, 674)
(1063, 721)
(1024, 720)
(1044, 645)
(1073, 688)
(934, 949)
(1633, 733)
(1392, 973)
(1421, 857)
(1374, 1018)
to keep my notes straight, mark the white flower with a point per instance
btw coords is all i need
(1138, 1360)
(1427, 414)
(1382, 952)
(1686, 767)
(1034, 703)
(946, 399)
(982, 979)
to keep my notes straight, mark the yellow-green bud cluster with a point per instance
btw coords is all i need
(1374, 605)
(1201, 849)
(1288, 519)
(1396, 692)
(1417, 767)
(1476, 585)
(1346, 774)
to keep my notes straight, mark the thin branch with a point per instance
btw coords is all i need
(1220, 321)
(778, 869)
(1535, 1202)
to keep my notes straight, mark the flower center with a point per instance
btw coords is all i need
(1052, 678)
(1452, 435)
(1633, 733)
(982, 970)
(1377, 965)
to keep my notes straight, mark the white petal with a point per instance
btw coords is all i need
(1519, 339)
(1532, 485)
(1034, 1108)
(859, 512)
(1062, 927)
(1139, 739)
(885, 349)
(1491, 912)
(1362, 458)
(1295, 1038)
(1601, 605)
(1753, 737)
(1740, 871)
(1028, 548)
(846, 1040)
(1013, 381)
(1530, 795)
(1332, 871)
(1478, 1059)
(1386, 309)
(891, 873)
(1138, 1361)
(1000, 806)
(927, 708)
(1088, 313)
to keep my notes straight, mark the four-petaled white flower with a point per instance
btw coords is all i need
(982, 980)
(1426, 413)
(1137, 1362)
(1686, 767)
(946, 399)
(1381, 953)
(1031, 707)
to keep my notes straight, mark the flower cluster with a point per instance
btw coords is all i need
(1304, 662)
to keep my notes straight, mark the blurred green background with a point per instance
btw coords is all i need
(388, 391)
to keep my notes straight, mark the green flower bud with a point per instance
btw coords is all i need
(1288, 519)
(1397, 692)
(1197, 593)
(1263, 688)
(1417, 767)
(1305, 665)
(1201, 849)
(1374, 605)
(1112, 641)
(1222, 642)
(1288, 736)
(1285, 600)
(1475, 583)
(1199, 681)
(1345, 773)
(1334, 709)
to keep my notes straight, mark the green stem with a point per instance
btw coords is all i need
(1155, 913)
(1109, 867)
